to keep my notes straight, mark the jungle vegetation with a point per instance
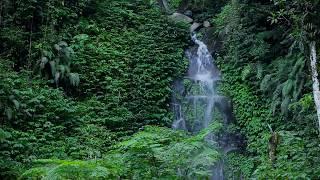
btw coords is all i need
(85, 88)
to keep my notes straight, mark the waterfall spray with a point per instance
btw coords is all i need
(196, 99)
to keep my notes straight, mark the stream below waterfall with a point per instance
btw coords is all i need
(196, 103)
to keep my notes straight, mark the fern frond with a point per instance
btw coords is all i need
(35, 173)
(247, 70)
(264, 85)
(298, 86)
(277, 92)
(285, 106)
(260, 70)
(298, 66)
(287, 88)
(275, 104)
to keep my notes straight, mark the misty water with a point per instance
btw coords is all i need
(196, 102)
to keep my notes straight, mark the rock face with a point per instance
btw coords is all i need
(178, 17)
(194, 26)
(188, 13)
(206, 24)
(164, 5)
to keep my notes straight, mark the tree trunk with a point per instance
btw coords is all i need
(315, 84)
(1, 7)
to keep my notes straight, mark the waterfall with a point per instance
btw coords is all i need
(200, 94)
(195, 101)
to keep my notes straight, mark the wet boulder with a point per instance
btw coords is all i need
(178, 17)
(195, 26)
(206, 24)
(188, 13)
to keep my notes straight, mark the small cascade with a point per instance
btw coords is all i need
(198, 96)
(196, 101)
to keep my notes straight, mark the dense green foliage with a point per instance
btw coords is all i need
(77, 76)
(265, 67)
(152, 153)
(89, 81)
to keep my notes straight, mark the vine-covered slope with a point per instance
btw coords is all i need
(85, 88)
(78, 76)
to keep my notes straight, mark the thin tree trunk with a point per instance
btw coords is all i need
(30, 44)
(1, 7)
(315, 84)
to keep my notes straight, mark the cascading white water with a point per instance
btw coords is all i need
(202, 96)
(196, 97)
